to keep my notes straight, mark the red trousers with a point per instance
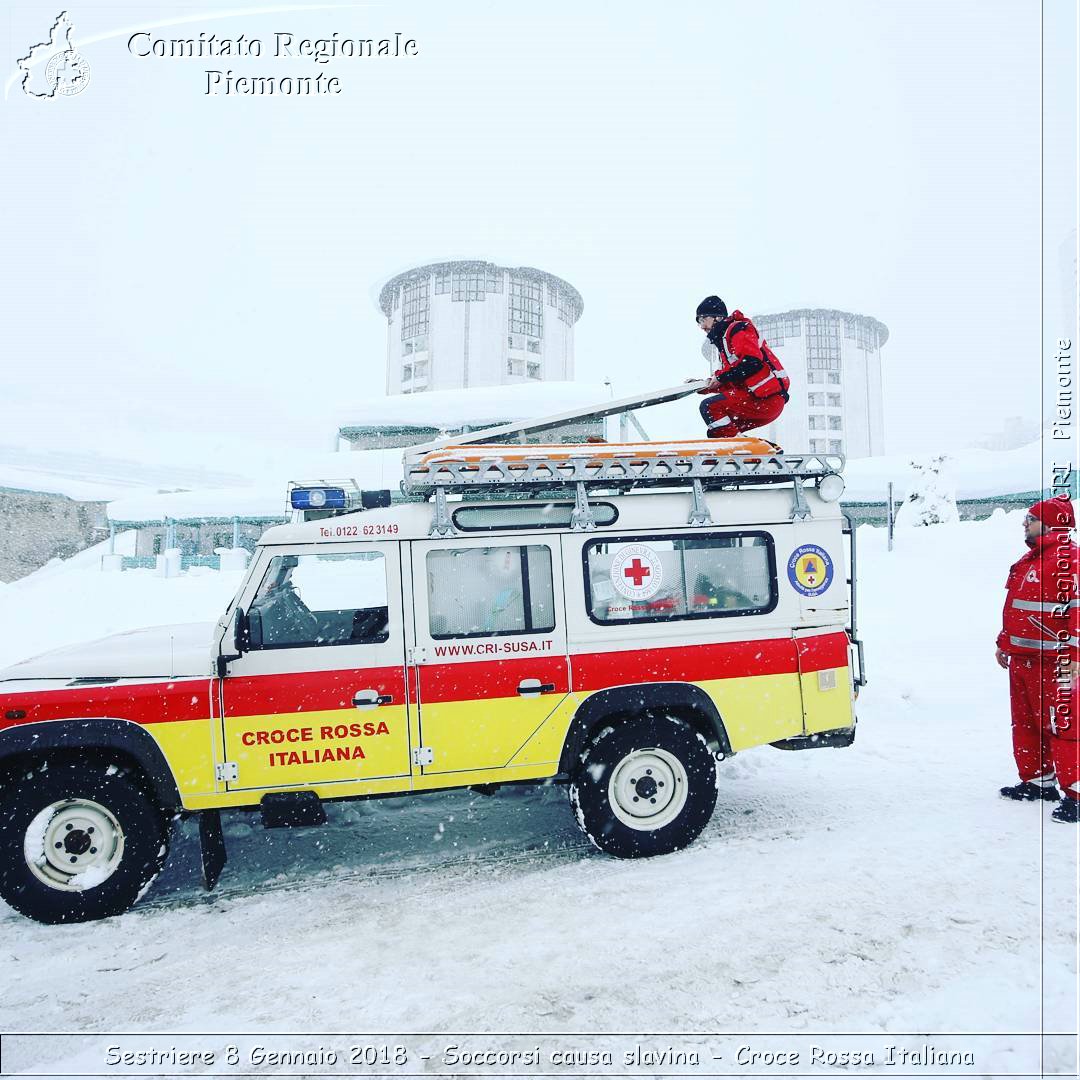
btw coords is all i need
(727, 416)
(1045, 726)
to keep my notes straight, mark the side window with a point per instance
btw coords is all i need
(307, 600)
(480, 592)
(650, 578)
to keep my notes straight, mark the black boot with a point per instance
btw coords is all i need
(1030, 792)
(1069, 810)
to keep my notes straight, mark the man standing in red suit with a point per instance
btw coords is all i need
(1038, 645)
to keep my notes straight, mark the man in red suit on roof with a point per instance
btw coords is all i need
(749, 384)
(1038, 645)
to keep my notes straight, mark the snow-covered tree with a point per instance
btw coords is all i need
(931, 498)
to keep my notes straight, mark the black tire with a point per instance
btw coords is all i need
(655, 767)
(89, 800)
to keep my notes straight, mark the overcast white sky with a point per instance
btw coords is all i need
(181, 268)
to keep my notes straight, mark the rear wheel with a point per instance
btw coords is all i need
(78, 841)
(646, 787)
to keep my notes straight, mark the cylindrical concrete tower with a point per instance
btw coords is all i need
(472, 323)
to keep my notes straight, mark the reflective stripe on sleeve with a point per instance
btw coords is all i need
(1037, 605)
(757, 385)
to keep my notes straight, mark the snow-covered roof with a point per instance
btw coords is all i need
(207, 503)
(474, 407)
(976, 474)
(264, 498)
(89, 477)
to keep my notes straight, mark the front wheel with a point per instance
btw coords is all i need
(78, 841)
(646, 787)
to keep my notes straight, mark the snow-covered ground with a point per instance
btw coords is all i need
(880, 889)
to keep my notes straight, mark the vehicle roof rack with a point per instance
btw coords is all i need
(489, 471)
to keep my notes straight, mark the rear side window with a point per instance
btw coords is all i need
(552, 515)
(651, 578)
(308, 600)
(487, 591)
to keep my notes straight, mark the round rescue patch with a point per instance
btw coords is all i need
(810, 570)
(636, 572)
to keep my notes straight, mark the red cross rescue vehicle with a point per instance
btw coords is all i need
(620, 617)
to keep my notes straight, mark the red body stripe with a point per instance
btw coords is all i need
(144, 703)
(697, 663)
(309, 691)
(317, 691)
(822, 651)
(489, 679)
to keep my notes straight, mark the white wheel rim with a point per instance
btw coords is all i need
(73, 844)
(648, 789)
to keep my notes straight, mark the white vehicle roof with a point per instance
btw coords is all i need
(655, 509)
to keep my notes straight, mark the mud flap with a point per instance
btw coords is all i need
(291, 809)
(212, 845)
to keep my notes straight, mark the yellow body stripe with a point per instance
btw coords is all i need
(187, 746)
(475, 742)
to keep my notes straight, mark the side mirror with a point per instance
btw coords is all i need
(241, 642)
(241, 631)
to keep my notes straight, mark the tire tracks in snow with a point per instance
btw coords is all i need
(540, 858)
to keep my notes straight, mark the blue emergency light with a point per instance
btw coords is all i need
(317, 498)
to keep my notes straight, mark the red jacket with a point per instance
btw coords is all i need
(1042, 604)
(748, 368)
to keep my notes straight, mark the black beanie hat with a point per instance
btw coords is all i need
(712, 305)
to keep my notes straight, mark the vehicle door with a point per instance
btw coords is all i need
(490, 647)
(319, 695)
(818, 578)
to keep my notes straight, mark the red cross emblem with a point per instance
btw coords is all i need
(637, 573)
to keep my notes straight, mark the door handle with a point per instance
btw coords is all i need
(533, 687)
(368, 699)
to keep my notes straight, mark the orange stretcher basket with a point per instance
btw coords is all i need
(595, 454)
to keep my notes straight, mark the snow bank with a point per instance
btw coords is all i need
(70, 602)
(977, 474)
